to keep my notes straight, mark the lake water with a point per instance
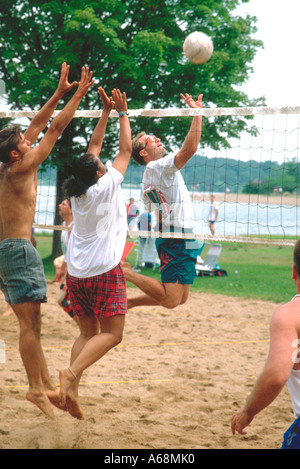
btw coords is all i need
(235, 219)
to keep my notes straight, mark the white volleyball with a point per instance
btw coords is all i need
(198, 47)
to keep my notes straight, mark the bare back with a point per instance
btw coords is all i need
(18, 191)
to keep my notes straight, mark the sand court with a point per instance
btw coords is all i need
(173, 383)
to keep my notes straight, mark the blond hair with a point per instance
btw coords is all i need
(137, 146)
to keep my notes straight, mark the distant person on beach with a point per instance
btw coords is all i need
(282, 366)
(60, 263)
(8, 311)
(213, 214)
(132, 212)
(22, 277)
(148, 252)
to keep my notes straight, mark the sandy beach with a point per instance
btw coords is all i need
(173, 383)
(255, 199)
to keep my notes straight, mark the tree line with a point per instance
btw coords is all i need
(203, 174)
(133, 45)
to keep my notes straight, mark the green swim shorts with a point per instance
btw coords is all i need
(22, 277)
(177, 260)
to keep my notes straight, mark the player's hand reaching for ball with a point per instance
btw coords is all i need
(189, 100)
(85, 82)
(120, 100)
(64, 85)
(108, 103)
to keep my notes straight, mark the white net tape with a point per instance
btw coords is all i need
(171, 112)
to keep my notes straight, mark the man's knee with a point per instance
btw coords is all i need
(176, 295)
(171, 302)
(29, 315)
(115, 338)
(118, 337)
(183, 301)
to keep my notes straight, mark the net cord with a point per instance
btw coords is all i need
(170, 112)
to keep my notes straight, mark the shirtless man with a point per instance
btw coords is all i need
(22, 276)
(281, 367)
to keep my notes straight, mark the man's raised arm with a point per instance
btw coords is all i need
(37, 155)
(41, 119)
(193, 137)
(122, 159)
(96, 141)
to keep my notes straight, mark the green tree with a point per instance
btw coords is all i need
(134, 45)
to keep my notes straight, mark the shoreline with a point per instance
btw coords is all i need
(282, 199)
(254, 199)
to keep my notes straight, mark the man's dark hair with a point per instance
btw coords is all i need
(9, 139)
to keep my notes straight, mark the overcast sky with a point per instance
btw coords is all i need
(277, 77)
(277, 66)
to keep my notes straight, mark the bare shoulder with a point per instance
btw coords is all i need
(24, 166)
(287, 315)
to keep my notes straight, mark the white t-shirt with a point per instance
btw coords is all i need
(213, 211)
(163, 182)
(99, 233)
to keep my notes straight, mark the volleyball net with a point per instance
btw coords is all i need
(255, 182)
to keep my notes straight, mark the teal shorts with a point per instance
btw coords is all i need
(22, 277)
(177, 260)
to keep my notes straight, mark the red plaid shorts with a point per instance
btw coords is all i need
(101, 296)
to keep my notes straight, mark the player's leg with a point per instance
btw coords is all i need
(29, 316)
(166, 294)
(98, 345)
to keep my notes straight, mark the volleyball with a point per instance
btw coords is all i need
(198, 47)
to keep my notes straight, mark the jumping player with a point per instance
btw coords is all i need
(163, 187)
(22, 276)
(95, 279)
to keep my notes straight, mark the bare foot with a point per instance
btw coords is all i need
(73, 406)
(65, 379)
(42, 402)
(67, 397)
(8, 312)
(55, 399)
